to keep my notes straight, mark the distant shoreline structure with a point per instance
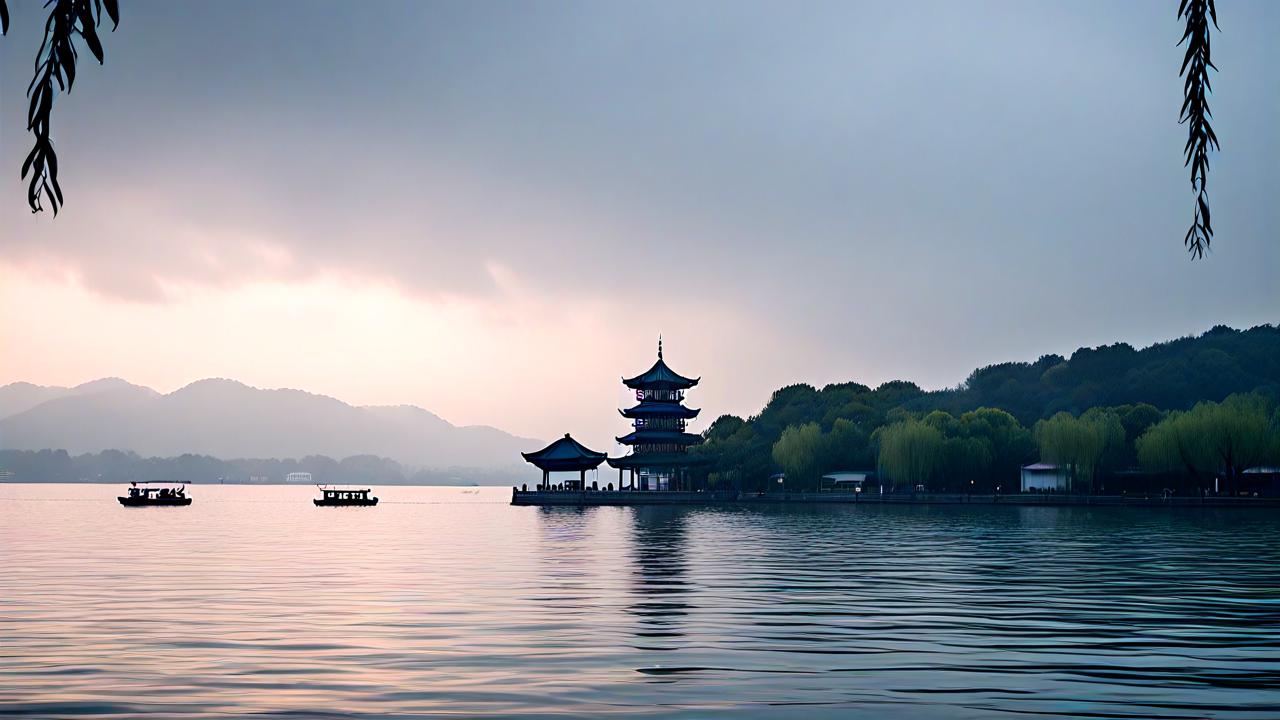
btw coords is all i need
(729, 498)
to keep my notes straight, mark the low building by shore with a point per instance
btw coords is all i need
(1045, 477)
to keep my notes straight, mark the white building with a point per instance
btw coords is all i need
(1044, 476)
(298, 477)
(847, 480)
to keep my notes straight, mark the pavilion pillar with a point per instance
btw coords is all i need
(582, 480)
(545, 479)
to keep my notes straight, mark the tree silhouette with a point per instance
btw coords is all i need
(56, 63)
(1195, 115)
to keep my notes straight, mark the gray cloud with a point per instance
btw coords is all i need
(921, 186)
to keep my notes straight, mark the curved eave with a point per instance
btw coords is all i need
(659, 460)
(639, 383)
(565, 454)
(659, 436)
(660, 377)
(568, 465)
(534, 457)
(674, 410)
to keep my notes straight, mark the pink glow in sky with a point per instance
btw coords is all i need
(492, 211)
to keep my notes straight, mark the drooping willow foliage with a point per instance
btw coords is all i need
(798, 453)
(1079, 444)
(1195, 115)
(911, 452)
(55, 64)
(1213, 439)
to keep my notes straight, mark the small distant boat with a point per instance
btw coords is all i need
(345, 497)
(164, 495)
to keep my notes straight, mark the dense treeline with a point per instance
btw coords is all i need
(1087, 413)
(118, 466)
(1172, 375)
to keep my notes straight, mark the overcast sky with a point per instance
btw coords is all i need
(492, 209)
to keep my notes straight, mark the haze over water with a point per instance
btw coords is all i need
(448, 601)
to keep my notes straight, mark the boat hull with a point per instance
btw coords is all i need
(346, 503)
(154, 502)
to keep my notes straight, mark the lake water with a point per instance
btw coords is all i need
(446, 601)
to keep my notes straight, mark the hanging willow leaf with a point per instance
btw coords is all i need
(55, 64)
(1195, 114)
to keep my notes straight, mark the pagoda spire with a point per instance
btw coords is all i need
(659, 346)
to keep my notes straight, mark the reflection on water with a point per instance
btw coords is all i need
(252, 601)
(661, 592)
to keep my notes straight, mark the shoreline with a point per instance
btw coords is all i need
(598, 498)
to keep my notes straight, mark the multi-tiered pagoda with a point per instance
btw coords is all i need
(659, 457)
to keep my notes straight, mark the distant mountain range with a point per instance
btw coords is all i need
(229, 419)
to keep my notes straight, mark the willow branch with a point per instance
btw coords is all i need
(55, 64)
(1195, 115)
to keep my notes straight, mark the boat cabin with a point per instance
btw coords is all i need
(143, 493)
(335, 495)
(156, 492)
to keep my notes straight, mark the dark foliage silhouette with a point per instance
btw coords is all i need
(1136, 385)
(1195, 115)
(56, 63)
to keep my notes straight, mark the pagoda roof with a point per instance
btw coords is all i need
(659, 436)
(658, 460)
(660, 377)
(656, 408)
(565, 454)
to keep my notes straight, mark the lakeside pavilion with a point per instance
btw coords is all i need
(565, 455)
(659, 456)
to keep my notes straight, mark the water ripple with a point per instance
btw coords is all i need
(441, 602)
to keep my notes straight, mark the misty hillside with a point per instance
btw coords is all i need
(21, 396)
(225, 418)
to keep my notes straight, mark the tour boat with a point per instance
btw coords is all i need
(165, 495)
(345, 497)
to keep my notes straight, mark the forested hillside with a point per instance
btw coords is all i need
(985, 425)
(1171, 375)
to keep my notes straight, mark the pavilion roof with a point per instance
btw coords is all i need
(565, 454)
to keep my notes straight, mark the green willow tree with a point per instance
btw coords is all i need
(911, 453)
(1080, 444)
(798, 452)
(1213, 440)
